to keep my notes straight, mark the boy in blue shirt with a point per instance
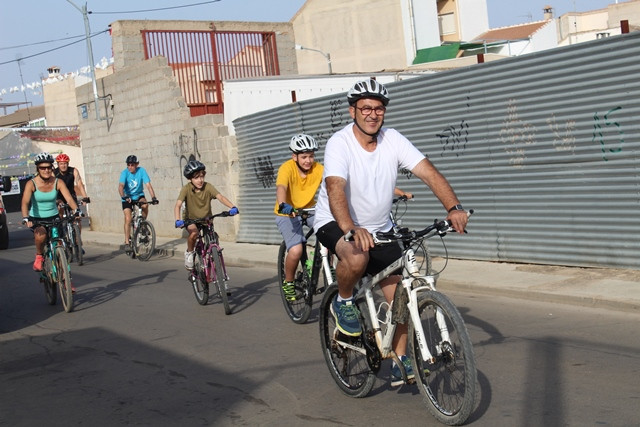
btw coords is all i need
(133, 179)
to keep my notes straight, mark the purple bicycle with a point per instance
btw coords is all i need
(208, 263)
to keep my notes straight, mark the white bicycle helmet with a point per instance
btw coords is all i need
(302, 143)
(368, 89)
(192, 167)
(43, 158)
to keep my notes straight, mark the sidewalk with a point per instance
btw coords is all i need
(591, 287)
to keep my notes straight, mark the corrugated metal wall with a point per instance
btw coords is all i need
(545, 147)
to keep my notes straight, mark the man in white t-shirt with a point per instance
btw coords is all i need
(361, 164)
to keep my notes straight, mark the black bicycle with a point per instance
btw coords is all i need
(71, 232)
(298, 300)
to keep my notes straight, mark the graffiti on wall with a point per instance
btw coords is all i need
(563, 138)
(186, 149)
(264, 170)
(454, 138)
(607, 147)
(337, 115)
(516, 135)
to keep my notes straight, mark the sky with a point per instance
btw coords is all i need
(37, 34)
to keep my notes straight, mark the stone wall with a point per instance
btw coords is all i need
(128, 48)
(149, 118)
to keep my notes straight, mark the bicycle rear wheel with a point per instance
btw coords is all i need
(198, 279)
(76, 242)
(220, 279)
(144, 240)
(63, 278)
(298, 309)
(346, 356)
(448, 385)
(49, 285)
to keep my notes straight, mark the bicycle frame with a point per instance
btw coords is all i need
(320, 261)
(50, 245)
(410, 270)
(207, 232)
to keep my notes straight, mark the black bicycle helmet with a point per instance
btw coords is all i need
(302, 143)
(192, 167)
(368, 89)
(132, 159)
(43, 158)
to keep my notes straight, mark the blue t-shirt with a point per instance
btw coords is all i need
(134, 182)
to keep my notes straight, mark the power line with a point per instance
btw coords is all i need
(44, 42)
(52, 50)
(154, 10)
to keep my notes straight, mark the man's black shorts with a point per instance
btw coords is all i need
(379, 256)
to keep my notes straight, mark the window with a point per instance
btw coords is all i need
(447, 22)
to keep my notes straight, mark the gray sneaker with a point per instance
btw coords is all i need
(188, 260)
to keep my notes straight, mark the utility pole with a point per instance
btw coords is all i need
(92, 65)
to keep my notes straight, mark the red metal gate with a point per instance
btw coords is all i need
(201, 60)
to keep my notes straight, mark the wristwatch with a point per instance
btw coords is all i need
(456, 208)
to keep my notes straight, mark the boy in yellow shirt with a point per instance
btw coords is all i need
(296, 185)
(197, 196)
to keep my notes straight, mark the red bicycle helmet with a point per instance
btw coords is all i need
(62, 158)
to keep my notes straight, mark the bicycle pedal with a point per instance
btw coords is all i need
(319, 290)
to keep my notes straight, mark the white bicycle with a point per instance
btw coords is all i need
(441, 350)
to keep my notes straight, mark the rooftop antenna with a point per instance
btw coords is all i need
(528, 15)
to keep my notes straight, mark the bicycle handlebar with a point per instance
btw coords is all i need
(402, 199)
(441, 227)
(205, 220)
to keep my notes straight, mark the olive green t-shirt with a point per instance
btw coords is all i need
(198, 203)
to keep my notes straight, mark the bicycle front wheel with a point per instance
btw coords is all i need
(144, 241)
(198, 279)
(298, 306)
(220, 279)
(63, 278)
(448, 385)
(49, 285)
(76, 242)
(346, 356)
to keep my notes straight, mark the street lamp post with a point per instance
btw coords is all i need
(326, 55)
(87, 33)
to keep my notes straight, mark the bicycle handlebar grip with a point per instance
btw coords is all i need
(349, 235)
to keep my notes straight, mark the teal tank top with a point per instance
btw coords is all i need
(43, 205)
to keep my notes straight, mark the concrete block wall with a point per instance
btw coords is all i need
(149, 118)
(128, 48)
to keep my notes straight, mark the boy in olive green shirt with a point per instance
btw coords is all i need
(197, 196)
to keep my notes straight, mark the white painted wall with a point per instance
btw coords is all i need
(473, 18)
(243, 97)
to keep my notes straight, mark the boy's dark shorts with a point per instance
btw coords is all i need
(379, 256)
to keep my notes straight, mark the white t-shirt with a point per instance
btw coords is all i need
(371, 176)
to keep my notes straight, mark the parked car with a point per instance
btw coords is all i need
(4, 231)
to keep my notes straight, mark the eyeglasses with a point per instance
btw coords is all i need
(132, 164)
(380, 110)
(43, 168)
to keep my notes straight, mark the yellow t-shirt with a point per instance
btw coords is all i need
(300, 191)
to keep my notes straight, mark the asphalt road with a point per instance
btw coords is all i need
(139, 350)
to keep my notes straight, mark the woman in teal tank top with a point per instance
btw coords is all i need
(39, 202)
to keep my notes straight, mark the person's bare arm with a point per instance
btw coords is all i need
(441, 188)
(79, 184)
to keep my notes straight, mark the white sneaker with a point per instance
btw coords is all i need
(188, 260)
